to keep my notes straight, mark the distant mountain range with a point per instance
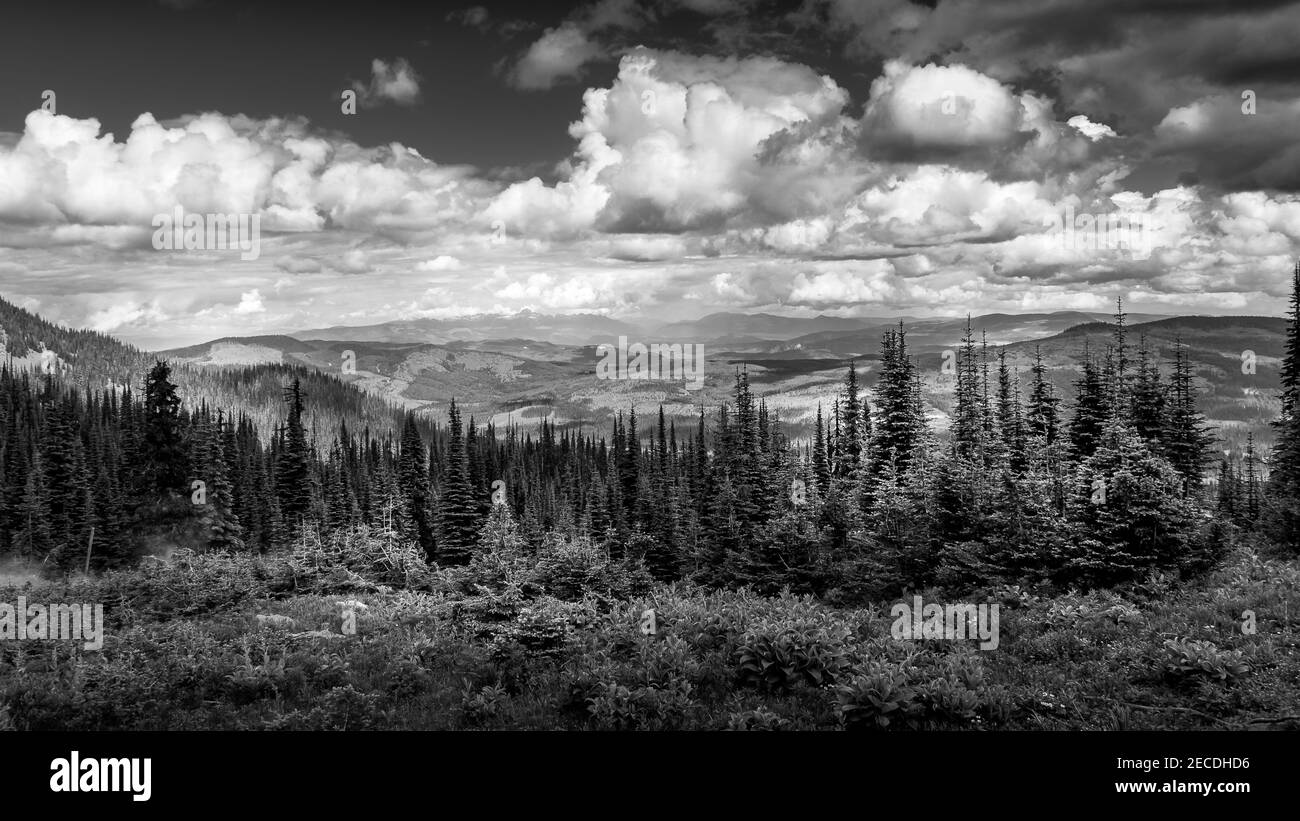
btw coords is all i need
(523, 368)
(839, 335)
(570, 329)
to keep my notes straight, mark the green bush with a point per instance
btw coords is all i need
(923, 691)
(1187, 659)
(779, 657)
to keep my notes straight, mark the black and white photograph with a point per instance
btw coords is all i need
(642, 368)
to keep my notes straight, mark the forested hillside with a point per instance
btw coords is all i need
(80, 354)
(1023, 488)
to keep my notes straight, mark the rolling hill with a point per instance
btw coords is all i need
(574, 329)
(29, 341)
(518, 379)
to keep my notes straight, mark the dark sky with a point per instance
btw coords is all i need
(113, 60)
(272, 58)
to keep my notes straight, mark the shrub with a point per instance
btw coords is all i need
(924, 691)
(359, 558)
(1187, 659)
(778, 657)
(619, 707)
(573, 568)
(484, 704)
(876, 697)
(187, 584)
(760, 718)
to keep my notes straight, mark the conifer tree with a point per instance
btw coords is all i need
(848, 435)
(1229, 492)
(1283, 520)
(901, 423)
(293, 463)
(1043, 419)
(967, 427)
(413, 483)
(33, 539)
(1186, 438)
(456, 509)
(1010, 415)
(1250, 490)
(820, 461)
(1127, 512)
(1147, 400)
(163, 453)
(1091, 413)
(218, 516)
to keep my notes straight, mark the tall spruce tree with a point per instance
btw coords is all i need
(413, 482)
(967, 430)
(1283, 518)
(164, 454)
(225, 531)
(848, 438)
(1091, 411)
(293, 474)
(1187, 438)
(1044, 418)
(900, 423)
(820, 461)
(457, 512)
(1010, 415)
(1147, 400)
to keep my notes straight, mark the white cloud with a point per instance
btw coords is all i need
(250, 302)
(872, 282)
(937, 204)
(729, 288)
(394, 82)
(1089, 129)
(211, 163)
(558, 55)
(120, 315)
(673, 144)
(935, 105)
(440, 263)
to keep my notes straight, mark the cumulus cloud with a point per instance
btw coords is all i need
(441, 262)
(956, 115)
(394, 82)
(870, 282)
(673, 144)
(551, 292)
(1122, 62)
(250, 302)
(1089, 129)
(729, 288)
(118, 316)
(560, 54)
(941, 106)
(66, 183)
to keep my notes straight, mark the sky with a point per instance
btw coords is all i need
(662, 159)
